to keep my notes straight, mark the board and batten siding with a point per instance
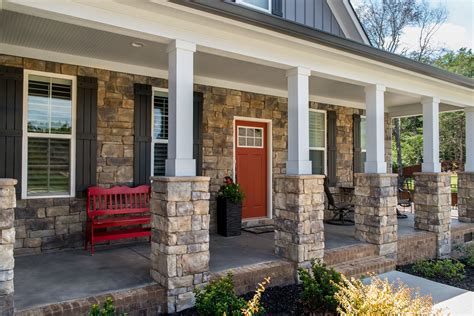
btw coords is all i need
(313, 13)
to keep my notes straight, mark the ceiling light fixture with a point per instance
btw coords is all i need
(137, 44)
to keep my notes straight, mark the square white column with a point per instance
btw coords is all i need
(375, 131)
(298, 122)
(180, 160)
(469, 166)
(430, 135)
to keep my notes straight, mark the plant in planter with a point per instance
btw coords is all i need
(229, 208)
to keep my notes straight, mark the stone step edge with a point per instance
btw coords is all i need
(365, 266)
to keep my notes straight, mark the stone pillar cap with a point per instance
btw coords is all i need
(8, 182)
(180, 179)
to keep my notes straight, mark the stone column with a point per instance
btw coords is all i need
(298, 218)
(432, 199)
(180, 237)
(375, 211)
(466, 197)
(7, 243)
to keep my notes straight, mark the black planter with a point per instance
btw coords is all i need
(229, 218)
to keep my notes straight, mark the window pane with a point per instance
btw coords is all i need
(317, 159)
(317, 134)
(160, 127)
(49, 105)
(160, 155)
(363, 133)
(258, 3)
(48, 166)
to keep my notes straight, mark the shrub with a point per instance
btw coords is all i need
(380, 297)
(319, 287)
(108, 309)
(444, 268)
(231, 191)
(253, 306)
(218, 297)
(467, 253)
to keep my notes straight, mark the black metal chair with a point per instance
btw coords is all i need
(342, 211)
(404, 200)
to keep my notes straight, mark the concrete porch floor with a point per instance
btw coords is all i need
(56, 277)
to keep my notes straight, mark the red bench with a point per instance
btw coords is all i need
(121, 207)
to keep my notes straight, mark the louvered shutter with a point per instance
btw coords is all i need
(86, 134)
(277, 7)
(197, 131)
(358, 158)
(11, 116)
(332, 152)
(142, 134)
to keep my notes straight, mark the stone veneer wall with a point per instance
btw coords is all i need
(48, 224)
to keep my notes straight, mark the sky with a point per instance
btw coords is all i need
(455, 33)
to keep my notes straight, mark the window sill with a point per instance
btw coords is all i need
(56, 196)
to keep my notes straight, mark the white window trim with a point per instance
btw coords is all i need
(153, 140)
(363, 150)
(72, 136)
(250, 127)
(325, 148)
(269, 10)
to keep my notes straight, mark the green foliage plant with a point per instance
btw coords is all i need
(108, 309)
(218, 298)
(319, 287)
(231, 192)
(444, 268)
(467, 253)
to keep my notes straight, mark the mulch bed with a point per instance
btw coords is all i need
(467, 283)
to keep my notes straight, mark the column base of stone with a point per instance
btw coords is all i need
(7, 243)
(466, 197)
(180, 237)
(298, 218)
(375, 211)
(432, 199)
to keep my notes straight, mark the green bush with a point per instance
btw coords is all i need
(319, 287)
(467, 253)
(231, 192)
(108, 309)
(444, 268)
(218, 297)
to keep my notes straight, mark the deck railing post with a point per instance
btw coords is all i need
(7, 244)
(180, 237)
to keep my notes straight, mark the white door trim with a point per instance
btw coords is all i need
(269, 157)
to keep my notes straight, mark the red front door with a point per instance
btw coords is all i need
(251, 166)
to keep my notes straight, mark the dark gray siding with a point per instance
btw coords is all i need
(313, 13)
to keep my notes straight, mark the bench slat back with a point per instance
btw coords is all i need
(118, 200)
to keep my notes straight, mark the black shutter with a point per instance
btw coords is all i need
(11, 122)
(197, 131)
(277, 7)
(86, 134)
(142, 134)
(357, 145)
(332, 152)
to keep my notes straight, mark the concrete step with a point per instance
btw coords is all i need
(348, 253)
(362, 267)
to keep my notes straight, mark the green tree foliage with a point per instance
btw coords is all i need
(460, 62)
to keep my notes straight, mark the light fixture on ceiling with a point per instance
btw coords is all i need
(137, 44)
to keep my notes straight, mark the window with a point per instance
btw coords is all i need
(48, 143)
(250, 137)
(159, 131)
(317, 140)
(264, 5)
(363, 142)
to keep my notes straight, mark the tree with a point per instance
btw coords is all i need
(460, 62)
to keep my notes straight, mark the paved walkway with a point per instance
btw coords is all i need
(452, 300)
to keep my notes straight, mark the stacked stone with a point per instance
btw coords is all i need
(180, 237)
(298, 218)
(7, 242)
(466, 196)
(432, 199)
(375, 211)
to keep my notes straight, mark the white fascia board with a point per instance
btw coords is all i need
(223, 36)
(34, 53)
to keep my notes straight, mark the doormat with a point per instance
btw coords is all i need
(259, 229)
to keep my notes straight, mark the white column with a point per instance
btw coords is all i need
(469, 166)
(430, 135)
(180, 160)
(375, 129)
(298, 121)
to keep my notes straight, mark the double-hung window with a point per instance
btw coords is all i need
(264, 5)
(48, 139)
(317, 141)
(159, 131)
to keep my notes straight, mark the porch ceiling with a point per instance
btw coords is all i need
(24, 34)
